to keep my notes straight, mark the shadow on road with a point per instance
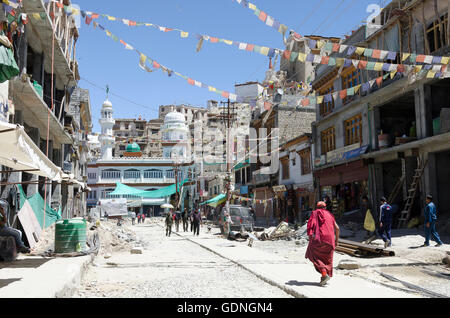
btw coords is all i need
(297, 283)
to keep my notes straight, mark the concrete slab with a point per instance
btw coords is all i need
(37, 277)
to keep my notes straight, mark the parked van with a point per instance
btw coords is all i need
(240, 216)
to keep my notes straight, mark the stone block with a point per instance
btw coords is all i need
(349, 265)
(137, 250)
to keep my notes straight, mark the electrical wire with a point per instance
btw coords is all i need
(310, 15)
(337, 16)
(120, 97)
(329, 16)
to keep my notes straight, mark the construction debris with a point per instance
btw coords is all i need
(359, 249)
(137, 250)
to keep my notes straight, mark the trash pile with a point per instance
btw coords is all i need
(115, 238)
(283, 232)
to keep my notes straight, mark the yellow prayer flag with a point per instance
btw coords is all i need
(405, 56)
(360, 50)
(143, 59)
(320, 99)
(431, 74)
(184, 34)
(212, 89)
(340, 61)
(320, 44)
(265, 50)
(445, 60)
(108, 33)
(111, 18)
(302, 57)
(37, 16)
(393, 74)
(228, 42)
(418, 68)
(378, 66)
(357, 88)
(251, 6)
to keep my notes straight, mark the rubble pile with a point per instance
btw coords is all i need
(115, 238)
(284, 232)
(46, 241)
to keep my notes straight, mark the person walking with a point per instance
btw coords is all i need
(169, 223)
(385, 222)
(430, 223)
(139, 218)
(191, 219)
(143, 218)
(323, 233)
(177, 220)
(133, 217)
(185, 220)
(197, 221)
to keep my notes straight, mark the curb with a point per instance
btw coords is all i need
(73, 282)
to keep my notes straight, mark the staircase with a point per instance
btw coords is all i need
(406, 213)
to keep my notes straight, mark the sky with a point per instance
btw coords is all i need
(134, 92)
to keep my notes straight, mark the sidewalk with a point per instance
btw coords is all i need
(296, 278)
(37, 277)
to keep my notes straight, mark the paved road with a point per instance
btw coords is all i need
(171, 267)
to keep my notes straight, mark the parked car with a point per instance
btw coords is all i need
(240, 216)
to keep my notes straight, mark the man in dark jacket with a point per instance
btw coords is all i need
(430, 223)
(169, 223)
(197, 220)
(185, 220)
(385, 222)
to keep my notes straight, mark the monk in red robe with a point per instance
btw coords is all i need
(323, 235)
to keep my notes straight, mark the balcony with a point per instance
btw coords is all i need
(35, 112)
(66, 35)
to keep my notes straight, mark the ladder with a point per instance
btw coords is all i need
(406, 213)
(395, 192)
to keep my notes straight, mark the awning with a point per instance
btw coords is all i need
(19, 152)
(122, 189)
(214, 202)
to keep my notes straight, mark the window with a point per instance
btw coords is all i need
(111, 174)
(92, 176)
(153, 174)
(170, 174)
(132, 174)
(285, 168)
(305, 156)
(328, 140)
(434, 34)
(353, 130)
(351, 79)
(326, 107)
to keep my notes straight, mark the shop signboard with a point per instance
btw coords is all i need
(355, 153)
(320, 161)
(338, 154)
(280, 188)
(244, 190)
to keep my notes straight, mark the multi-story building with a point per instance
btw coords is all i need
(126, 130)
(43, 103)
(154, 138)
(377, 139)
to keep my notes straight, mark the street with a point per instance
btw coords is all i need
(171, 268)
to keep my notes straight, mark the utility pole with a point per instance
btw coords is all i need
(176, 184)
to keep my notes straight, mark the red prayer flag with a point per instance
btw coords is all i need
(343, 94)
(263, 16)
(191, 81)
(225, 94)
(305, 101)
(379, 81)
(132, 23)
(95, 16)
(156, 65)
(287, 54)
(250, 47)
(213, 40)
(376, 54)
(336, 47)
(362, 65)
(59, 5)
(420, 58)
(401, 68)
(325, 60)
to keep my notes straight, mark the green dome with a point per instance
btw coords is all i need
(133, 148)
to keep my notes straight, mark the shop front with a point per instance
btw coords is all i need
(305, 200)
(345, 185)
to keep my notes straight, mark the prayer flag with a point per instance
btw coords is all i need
(184, 34)
(360, 50)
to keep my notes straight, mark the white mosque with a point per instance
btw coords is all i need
(140, 172)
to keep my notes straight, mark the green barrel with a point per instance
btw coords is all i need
(70, 236)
